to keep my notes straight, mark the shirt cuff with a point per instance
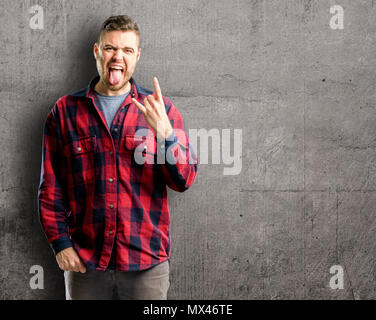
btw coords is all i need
(61, 244)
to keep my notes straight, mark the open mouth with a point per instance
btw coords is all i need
(115, 74)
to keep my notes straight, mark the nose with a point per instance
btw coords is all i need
(118, 55)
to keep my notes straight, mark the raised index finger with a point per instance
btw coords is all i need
(158, 93)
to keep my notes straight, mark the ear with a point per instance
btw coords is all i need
(138, 54)
(95, 50)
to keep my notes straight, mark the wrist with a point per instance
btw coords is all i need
(168, 132)
(61, 244)
(163, 132)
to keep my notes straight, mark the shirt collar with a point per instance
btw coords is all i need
(91, 92)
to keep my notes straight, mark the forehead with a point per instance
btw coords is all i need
(120, 38)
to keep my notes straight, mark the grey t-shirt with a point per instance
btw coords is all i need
(110, 105)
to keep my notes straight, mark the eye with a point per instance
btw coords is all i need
(108, 48)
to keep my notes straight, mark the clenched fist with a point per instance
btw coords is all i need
(69, 260)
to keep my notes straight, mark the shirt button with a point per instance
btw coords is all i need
(111, 205)
(111, 153)
(110, 179)
(110, 232)
(79, 149)
(116, 130)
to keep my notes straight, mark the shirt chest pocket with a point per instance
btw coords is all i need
(81, 160)
(142, 149)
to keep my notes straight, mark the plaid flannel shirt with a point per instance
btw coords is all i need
(103, 190)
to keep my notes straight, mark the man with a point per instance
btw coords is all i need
(108, 153)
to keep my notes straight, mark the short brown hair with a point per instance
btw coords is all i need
(122, 22)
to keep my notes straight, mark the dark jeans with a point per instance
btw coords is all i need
(150, 284)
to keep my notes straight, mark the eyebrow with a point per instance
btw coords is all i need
(110, 45)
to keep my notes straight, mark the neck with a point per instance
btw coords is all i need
(104, 90)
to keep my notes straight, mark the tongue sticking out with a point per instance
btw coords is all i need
(115, 76)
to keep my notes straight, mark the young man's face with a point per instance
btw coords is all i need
(117, 55)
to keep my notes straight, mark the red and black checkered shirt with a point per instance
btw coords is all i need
(103, 190)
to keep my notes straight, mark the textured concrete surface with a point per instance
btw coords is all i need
(304, 96)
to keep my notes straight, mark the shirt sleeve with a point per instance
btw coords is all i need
(52, 208)
(180, 164)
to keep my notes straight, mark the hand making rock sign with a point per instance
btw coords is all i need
(154, 112)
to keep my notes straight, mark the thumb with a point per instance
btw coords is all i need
(82, 268)
(139, 106)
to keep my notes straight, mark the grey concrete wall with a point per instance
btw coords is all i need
(303, 95)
